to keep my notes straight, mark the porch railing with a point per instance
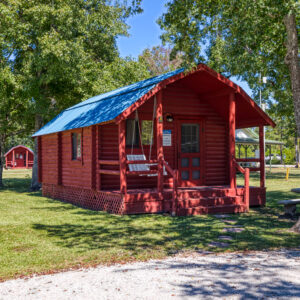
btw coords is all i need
(152, 163)
(246, 173)
(10, 162)
(260, 169)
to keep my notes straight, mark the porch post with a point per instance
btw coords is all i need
(262, 156)
(26, 159)
(122, 157)
(232, 171)
(13, 164)
(159, 142)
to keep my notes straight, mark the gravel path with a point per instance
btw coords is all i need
(255, 275)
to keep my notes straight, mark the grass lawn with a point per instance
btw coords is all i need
(40, 235)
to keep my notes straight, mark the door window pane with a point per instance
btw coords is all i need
(190, 138)
(196, 162)
(196, 174)
(185, 175)
(184, 162)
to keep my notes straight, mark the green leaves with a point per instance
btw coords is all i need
(62, 50)
(236, 38)
(158, 60)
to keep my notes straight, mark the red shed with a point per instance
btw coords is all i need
(19, 157)
(165, 144)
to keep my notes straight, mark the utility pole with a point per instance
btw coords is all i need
(263, 107)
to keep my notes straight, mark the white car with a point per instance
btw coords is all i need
(273, 156)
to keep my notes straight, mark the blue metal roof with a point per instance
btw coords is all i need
(102, 108)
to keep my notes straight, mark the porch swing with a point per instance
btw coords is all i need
(140, 157)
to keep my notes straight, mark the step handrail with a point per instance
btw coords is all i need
(246, 173)
(174, 174)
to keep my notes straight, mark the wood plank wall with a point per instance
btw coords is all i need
(177, 100)
(73, 172)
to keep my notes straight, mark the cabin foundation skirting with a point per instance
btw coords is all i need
(257, 196)
(91, 199)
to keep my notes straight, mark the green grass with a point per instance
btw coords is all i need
(41, 235)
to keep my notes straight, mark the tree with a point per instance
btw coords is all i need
(59, 49)
(249, 39)
(158, 61)
(11, 110)
(242, 38)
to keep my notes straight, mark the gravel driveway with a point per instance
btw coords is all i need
(255, 275)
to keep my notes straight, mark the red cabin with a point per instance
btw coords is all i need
(165, 144)
(19, 157)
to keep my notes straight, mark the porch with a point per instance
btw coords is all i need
(172, 192)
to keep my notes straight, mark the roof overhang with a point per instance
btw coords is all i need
(226, 87)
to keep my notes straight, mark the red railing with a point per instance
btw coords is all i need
(10, 163)
(246, 173)
(153, 163)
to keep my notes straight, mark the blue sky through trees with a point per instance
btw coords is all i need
(144, 33)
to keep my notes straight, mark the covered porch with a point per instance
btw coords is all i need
(171, 192)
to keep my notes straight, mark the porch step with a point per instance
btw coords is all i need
(209, 201)
(184, 194)
(200, 210)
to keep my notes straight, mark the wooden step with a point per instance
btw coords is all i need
(200, 210)
(209, 201)
(195, 194)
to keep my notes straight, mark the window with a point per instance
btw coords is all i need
(76, 146)
(190, 138)
(146, 132)
(132, 133)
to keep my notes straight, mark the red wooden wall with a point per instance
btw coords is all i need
(59, 168)
(181, 103)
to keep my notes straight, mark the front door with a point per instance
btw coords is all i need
(190, 162)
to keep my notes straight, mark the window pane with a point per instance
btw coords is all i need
(132, 133)
(184, 162)
(184, 175)
(146, 132)
(74, 145)
(196, 174)
(190, 138)
(196, 162)
(78, 145)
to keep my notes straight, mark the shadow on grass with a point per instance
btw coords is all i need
(19, 185)
(140, 233)
(132, 233)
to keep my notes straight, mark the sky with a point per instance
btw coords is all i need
(145, 32)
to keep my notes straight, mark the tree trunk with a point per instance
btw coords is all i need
(296, 227)
(296, 150)
(292, 61)
(35, 185)
(1, 163)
